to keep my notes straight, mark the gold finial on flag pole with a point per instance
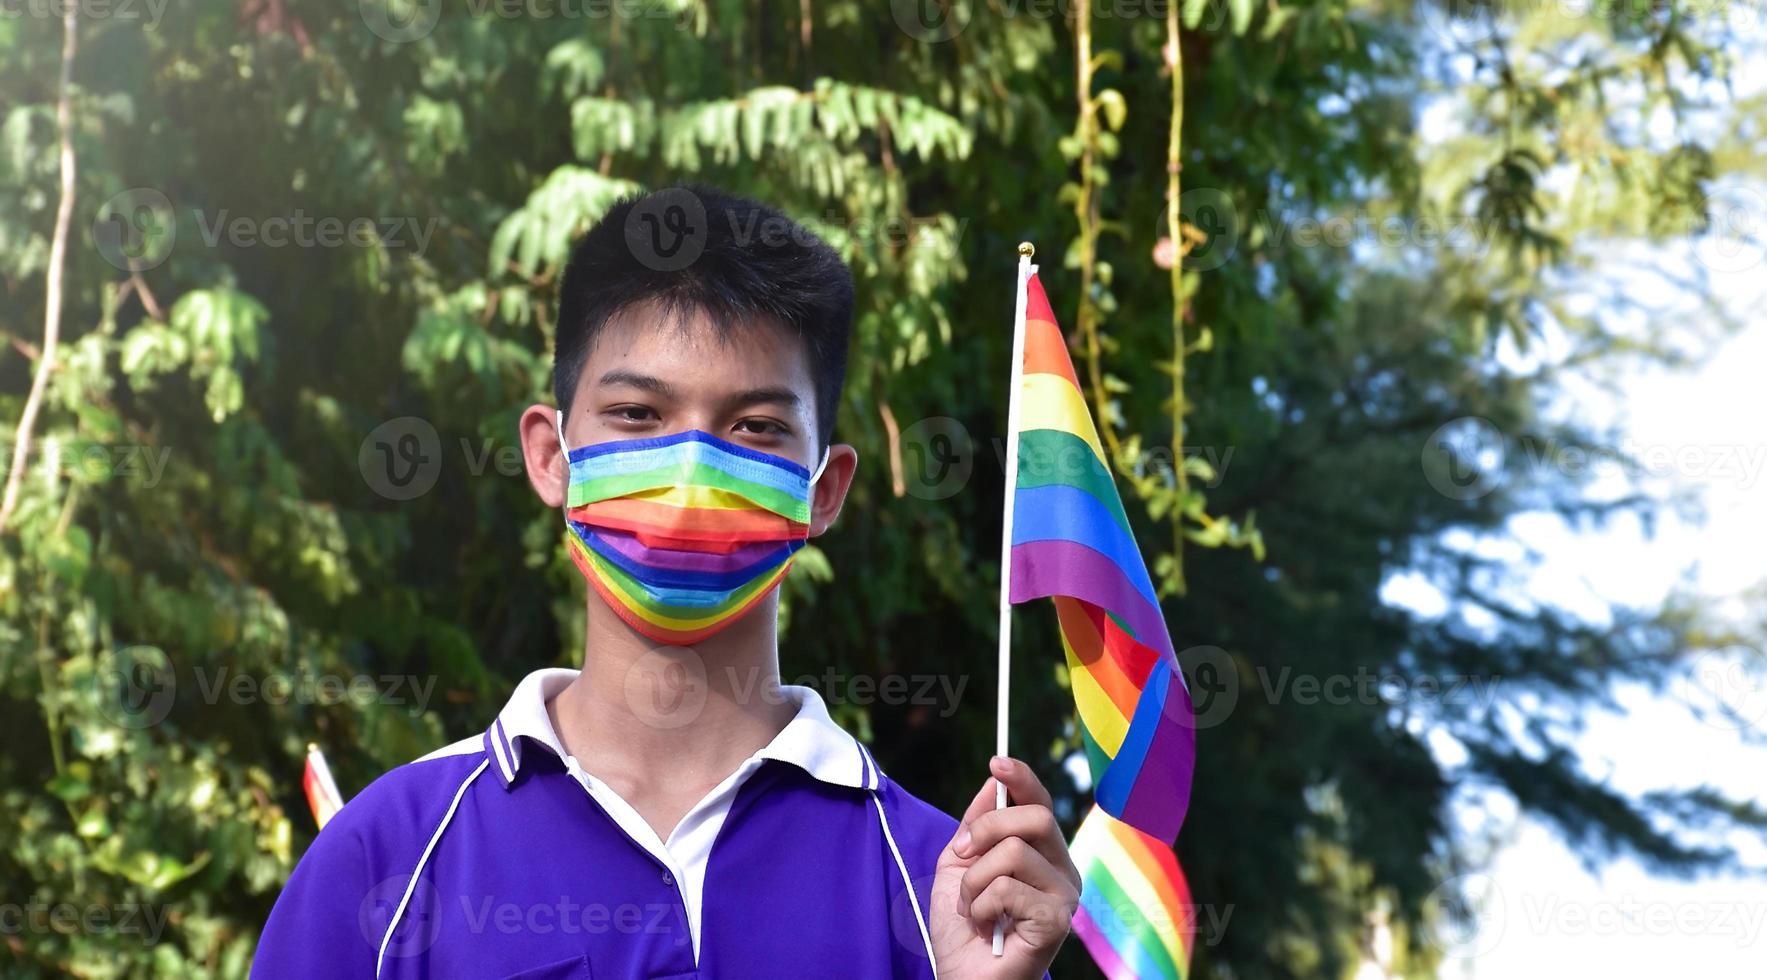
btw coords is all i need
(1027, 250)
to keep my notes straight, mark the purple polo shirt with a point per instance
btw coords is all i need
(494, 858)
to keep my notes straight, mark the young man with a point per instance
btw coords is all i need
(672, 810)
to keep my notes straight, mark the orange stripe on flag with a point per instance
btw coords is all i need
(1082, 635)
(1046, 351)
(1160, 866)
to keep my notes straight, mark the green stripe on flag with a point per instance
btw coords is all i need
(1134, 918)
(1050, 457)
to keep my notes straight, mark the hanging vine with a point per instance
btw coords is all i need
(1163, 486)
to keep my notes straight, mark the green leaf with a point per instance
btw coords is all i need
(73, 784)
(1242, 15)
(1116, 109)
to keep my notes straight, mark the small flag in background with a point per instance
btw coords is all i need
(1071, 542)
(322, 794)
(1135, 915)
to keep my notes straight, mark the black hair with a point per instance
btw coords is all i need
(697, 249)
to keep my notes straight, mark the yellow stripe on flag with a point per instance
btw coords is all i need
(1107, 724)
(1050, 402)
(1132, 879)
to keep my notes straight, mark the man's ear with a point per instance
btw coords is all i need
(830, 492)
(548, 472)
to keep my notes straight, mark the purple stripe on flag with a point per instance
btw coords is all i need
(1161, 792)
(1099, 945)
(1050, 568)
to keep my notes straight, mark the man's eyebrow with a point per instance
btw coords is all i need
(779, 395)
(655, 385)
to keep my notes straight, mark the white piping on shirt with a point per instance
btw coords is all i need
(883, 821)
(417, 872)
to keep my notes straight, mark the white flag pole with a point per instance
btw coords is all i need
(1025, 270)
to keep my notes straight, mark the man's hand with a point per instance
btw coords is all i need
(1012, 862)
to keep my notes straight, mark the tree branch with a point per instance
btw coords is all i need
(64, 215)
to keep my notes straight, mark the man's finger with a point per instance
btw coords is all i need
(1022, 785)
(1041, 919)
(1035, 825)
(957, 848)
(983, 802)
(1013, 858)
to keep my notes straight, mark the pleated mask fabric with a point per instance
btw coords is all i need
(682, 534)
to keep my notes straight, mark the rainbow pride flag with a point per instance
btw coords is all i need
(1135, 915)
(322, 792)
(1071, 542)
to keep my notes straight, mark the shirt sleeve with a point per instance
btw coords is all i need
(322, 921)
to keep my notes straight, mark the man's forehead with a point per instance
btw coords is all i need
(691, 349)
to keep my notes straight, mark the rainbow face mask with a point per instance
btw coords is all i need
(682, 534)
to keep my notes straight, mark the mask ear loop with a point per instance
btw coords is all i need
(564, 449)
(820, 467)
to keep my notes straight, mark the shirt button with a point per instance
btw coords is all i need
(668, 879)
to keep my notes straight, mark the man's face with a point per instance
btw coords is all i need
(650, 374)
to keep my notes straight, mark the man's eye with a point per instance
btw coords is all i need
(632, 413)
(761, 427)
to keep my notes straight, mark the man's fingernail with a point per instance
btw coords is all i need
(962, 842)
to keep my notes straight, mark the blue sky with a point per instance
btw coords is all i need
(1545, 914)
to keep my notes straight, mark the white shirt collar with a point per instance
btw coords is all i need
(811, 740)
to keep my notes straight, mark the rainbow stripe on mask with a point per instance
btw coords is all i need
(682, 534)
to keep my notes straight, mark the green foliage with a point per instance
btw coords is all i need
(205, 504)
